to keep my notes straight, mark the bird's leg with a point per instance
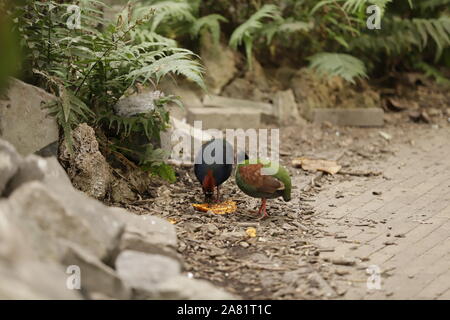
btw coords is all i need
(260, 209)
(218, 195)
(263, 208)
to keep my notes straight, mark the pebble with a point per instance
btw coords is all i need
(244, 244)
(343, 262)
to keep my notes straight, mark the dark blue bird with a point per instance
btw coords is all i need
(213, 166)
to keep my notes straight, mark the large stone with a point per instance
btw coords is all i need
(22, 275)
(144, 272)
(86, 166)
(183, 288)
(147, 234)
(54, 211)
(368, 117)
(285, 108)
(225, 118)
(95, 276)
(34, 168)
(9, 163)
(220, 63)
(22, 120)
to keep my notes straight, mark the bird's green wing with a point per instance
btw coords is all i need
(283, 175)
(280, 174)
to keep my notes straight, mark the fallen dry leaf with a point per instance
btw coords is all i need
(328, 166)
(216, 208)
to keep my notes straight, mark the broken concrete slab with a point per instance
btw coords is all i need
(225, 118)
(364, 117)
(23, 122)
(211, 101)
(182, 130)
(285, 107)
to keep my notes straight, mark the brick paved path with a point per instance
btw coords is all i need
(405, 230)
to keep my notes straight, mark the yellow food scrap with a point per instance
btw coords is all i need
(251, 232)
(172, 220)
(217, 208)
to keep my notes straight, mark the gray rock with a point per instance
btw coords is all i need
(50, 212)
(9, 163)
(34, 168)
(144, 272)
(96, 277)
(31, 279)
(86, 166)
(220, 64)
(136, 104)
(22, 120)
(22, 275)
(147, 234)
(50, 150)
(183, 288)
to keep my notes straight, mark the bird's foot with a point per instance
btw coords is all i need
(264, 216)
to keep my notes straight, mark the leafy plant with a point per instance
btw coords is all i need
(91, 68)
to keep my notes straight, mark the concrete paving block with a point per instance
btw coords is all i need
(225, 102)
(369, 117)
(225, 118)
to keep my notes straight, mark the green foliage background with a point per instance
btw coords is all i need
(329, 35)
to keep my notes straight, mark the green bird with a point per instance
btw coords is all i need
(259, 184)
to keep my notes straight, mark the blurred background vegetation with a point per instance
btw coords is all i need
(91, 68)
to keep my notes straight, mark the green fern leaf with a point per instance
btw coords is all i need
(338, 64)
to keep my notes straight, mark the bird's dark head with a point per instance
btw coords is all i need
(208, 185)
(241, 156)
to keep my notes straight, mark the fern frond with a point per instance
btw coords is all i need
(173, 60)
(143, 35)
(245, 33)
(285, 27)
(210, 22)
(168, 11)
(338, 64)
(254, 23)
(432, 72)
